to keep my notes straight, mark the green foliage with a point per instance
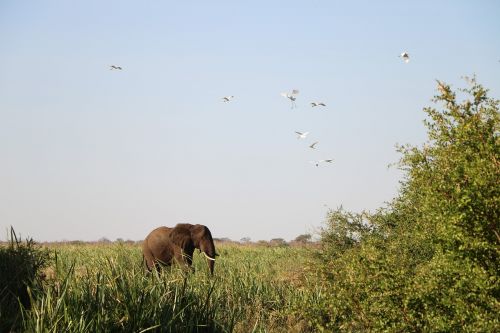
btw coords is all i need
(429, 260)
(21, 265)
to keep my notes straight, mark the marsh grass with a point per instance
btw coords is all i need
(21, 263)
(104, 288)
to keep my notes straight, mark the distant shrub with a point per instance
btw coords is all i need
(245, 240)
(104, 240)
(21, 265)
(304, 238)
(222, 240)
(263, 243)
(278, 242)
(76, 242)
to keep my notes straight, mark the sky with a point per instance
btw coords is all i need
(88, 152)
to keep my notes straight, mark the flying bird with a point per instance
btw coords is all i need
(314, 104)
(291, 96)
(301, 135)
(226, 99)
(405, 56)
(317, 163)
(112, 67)
(314, 144)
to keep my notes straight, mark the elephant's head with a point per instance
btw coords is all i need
(191, 236)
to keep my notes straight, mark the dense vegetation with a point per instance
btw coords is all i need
(428, 261)
(20, 266)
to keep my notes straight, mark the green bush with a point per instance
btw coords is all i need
(21, 265)
(429, 260)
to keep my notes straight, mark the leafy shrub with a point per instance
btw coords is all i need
(429, 260)
(21, 265)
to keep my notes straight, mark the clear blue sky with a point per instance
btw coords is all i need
(87, 152)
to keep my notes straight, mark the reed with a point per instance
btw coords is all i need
(91, 288)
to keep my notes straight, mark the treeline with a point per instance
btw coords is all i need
(429, 260)
(301, 240)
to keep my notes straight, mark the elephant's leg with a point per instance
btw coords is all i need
(157, 266)
(189, 262)
(148, 258)
(188, 259)
(185, 259)
(145, 263)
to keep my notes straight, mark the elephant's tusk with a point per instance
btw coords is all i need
(213, 259)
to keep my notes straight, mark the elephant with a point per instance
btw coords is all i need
(165, 245)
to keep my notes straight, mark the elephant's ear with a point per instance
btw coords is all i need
(198, 232)
(181, 236)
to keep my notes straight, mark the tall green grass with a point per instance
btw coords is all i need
(21, 263)
(105, 289)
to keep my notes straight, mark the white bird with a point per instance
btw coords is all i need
(302, 135)
(226, 99)
(314, 144)
(317, 163)
(112, 67)
(405, 56)
(314, 104)
(291, 96)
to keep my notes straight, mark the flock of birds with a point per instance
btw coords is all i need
(292, 96)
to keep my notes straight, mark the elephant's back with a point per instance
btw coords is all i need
(160, 232)
(157, 242)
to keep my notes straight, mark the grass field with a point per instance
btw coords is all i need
(103, 288)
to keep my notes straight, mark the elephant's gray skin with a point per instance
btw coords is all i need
(165, 245)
